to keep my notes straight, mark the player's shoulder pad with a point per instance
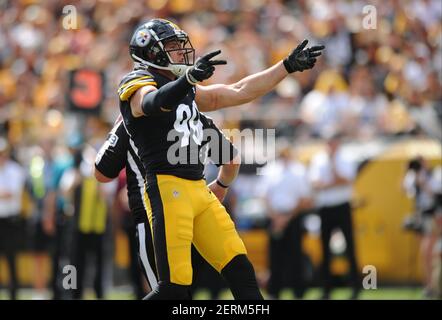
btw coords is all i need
(133, 81)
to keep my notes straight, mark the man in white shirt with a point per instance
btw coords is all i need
(424, 186)
(12, 180)
(332, 174)
(287, 195)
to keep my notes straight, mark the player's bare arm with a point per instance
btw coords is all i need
(226, 175)
(137, 99)
(218, 96)
(101, 177)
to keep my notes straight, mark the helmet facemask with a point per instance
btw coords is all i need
(180, 44)
(164, 50)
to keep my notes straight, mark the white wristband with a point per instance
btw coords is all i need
(190, 79)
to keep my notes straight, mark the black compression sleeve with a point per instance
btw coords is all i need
(166, 97)
(112, 156)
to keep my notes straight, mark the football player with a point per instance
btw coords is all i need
(160, 101)
(117, 153)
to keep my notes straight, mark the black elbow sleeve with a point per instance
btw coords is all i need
(166, 97)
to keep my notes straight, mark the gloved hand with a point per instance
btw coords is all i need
(203, 68)
(302, 59)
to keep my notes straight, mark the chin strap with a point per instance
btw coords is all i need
(177, 69)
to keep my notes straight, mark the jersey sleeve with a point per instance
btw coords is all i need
(112, 157)
(134, 81)
(220, 150)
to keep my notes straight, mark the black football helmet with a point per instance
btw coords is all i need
(147, 46)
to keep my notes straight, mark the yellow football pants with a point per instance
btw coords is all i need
(182, 212)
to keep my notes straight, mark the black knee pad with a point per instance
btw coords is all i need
(169, 291)
(240, 275)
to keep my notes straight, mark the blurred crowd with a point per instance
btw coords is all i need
(381, 83)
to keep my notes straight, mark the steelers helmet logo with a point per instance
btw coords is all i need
(142, 38)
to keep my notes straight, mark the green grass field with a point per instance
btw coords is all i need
(342, 294)
(387, 293)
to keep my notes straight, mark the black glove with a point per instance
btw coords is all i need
(302, 59)
(203, 68)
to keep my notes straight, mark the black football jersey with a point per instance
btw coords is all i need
(172, 141)
(118, 152)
